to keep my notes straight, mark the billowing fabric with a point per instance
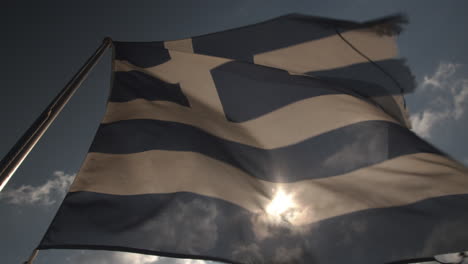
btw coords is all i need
(281, 142)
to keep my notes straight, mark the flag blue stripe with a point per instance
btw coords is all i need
(194, 225)
(243, 43)
(376, 82)
(132, 85)
(370, 81)
(142, 54)
(341, 150)
(372, 93)
(262, 89)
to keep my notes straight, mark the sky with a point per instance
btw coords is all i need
(45, 42)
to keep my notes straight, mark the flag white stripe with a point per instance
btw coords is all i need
(329, 52)
(319, 54)
(184, 45)
(191, 72)
(287, 125)
(395, 182)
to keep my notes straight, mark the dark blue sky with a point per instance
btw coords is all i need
(45, 42)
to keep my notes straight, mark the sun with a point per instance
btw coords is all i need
(280, 204)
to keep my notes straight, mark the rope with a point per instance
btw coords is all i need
(373, 63)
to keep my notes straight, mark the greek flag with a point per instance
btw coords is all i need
(286, 141)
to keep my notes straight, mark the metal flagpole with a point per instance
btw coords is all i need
(26, 143)
(32, 257)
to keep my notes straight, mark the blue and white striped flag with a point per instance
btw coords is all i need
(282, 142)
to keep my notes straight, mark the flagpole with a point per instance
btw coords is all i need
(10, 163)
(32, 257)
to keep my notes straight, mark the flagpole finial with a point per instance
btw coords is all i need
(107, 39)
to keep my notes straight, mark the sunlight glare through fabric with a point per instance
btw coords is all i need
(280, 204)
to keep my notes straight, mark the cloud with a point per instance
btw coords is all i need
(438, 239)
(441, 78)
(288, 255)
(110, 257)
(130, 258)
(248, 253)
(450, 258)
(460, 93)
(190, 261)
(181, 227)
(465, 161)
(448, 95)
(423, 122)
(46, 194)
